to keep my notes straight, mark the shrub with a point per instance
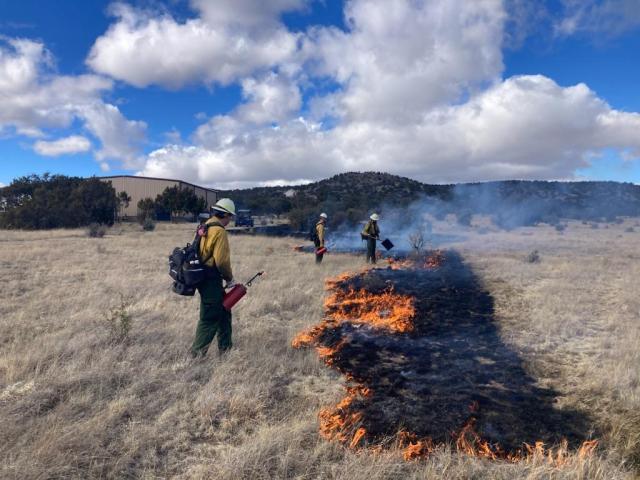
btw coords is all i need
(148, 225)
(118, 321)
(629, 230)
(560, 227)
(96, 230)
(533, 257)
(417, 240)
(595, 226)
(146, 209)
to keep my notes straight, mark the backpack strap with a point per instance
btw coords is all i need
(202, 232)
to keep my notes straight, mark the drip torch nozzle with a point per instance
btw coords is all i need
(259, 274)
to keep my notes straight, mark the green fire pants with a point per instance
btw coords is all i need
(371, 250)
(214, 318)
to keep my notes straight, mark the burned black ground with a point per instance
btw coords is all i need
(453, 366)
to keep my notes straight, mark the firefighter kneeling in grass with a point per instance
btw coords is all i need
(371, 233)
(216, 256)
(318, 238)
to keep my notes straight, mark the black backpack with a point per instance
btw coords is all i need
(186, 268)
(313, 233)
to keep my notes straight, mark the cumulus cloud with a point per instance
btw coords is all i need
(31, 98)
(35, 99)
(121, 138)
(402, 58)
(269, 99)
(63, 146)
(417, 90)
(231, 40)
(249, 156)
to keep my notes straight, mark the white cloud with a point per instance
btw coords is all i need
(173, 135)
(31, 98)
(63, 146)
(248, 156)
(36, 99)
(404, 57)
(606, 18)
(270, 99)
(248, 13)
(121, 138)
(145, 48)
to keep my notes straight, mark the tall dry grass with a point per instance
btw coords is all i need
(77, 403)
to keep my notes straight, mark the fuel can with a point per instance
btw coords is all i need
(233, 296)
(322, 250)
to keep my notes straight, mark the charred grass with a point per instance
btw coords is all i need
(76, 404)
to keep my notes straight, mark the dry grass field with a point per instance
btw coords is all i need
(83, 398)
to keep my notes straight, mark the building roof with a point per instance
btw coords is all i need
(162, 179)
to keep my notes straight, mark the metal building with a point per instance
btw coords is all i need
(148, 187)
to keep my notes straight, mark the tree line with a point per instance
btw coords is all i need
(57, 201)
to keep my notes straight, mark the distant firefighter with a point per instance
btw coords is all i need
(371, 233)
(216, 256)
(318, 238)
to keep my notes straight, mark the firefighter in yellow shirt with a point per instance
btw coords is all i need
(216, 256)
(371, 234)
(318, 239)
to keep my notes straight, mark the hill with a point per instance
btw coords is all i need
(349, 197)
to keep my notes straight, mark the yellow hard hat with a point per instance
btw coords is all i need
(375, 217)
(225, 205)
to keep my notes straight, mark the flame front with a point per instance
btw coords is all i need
(387, 311)
(432, 260)
(383, 311)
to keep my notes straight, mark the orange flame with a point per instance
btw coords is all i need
(434, 260)
(337, 423)
(385, 311)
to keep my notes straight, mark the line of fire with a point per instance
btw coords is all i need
(425, 367)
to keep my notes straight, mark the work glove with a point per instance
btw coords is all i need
(230, 284)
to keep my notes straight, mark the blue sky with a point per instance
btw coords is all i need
(234, 93)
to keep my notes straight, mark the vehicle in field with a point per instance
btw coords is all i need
(244, 219)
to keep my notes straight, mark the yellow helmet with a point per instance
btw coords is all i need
(225, 205)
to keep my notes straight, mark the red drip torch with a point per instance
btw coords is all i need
(238, 291)
(322, 250)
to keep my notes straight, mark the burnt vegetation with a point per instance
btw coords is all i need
(449, 378)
